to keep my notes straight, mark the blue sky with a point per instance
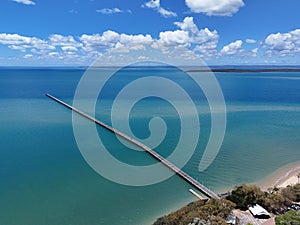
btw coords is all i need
(76, 32)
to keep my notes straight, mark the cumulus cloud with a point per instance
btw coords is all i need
(66, 43)
(22, 43)
(187, 24)
(250, 41)
(136, 39)
(186, 42)
(215, 7)
(127, 42)
(108, 11)
(96, 41)
(36, 46)
(173, 38)
(155, 4)
(111, 40)
(189, 37)
(208, 49)
(13, 39)
(25, 2)
(232, 48)
(197, 36)
(283, 43)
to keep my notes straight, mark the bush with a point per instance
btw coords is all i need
(292, 193)
(213, 211)
(246, 195)
(275, 200)
(275, 203)
(291, 217)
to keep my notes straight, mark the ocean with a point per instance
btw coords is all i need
(45, 180)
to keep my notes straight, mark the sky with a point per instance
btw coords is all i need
(219, 32)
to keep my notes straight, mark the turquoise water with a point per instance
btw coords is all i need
(45, 180)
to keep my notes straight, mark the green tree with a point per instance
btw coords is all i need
(213, 211)
(291, 217)
(292, 193)
(275, 202)
(245, 195)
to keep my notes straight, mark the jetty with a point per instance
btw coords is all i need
(196, 194)
(204, 190)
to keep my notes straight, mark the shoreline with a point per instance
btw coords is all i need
(281, 177)
(233, 70)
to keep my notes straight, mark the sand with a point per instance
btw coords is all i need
(282, 177)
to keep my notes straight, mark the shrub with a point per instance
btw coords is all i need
(245, 195)
(291, 217)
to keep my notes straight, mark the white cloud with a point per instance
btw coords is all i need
(96, 41)
(183, 53)
(215, 7)
(21, 43)
(136, 39)
(111, 40)
(254, 52)
(152, 4)
(187, 42)
(64, 41)
(173, 38)
(283, 43)
(250, 41)
(25, 2)
(155, 4)
(127, 42)
(208, 49)
(189, 37)
(232, 48)
(166, 13)
(187, 24)
(13, 39)
(69, 49)
(18, 48)
(170, 42)
(53, 53)
(108, 11)
(197, 36)
(27, 56)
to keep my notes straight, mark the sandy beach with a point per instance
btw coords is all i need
(282, 177)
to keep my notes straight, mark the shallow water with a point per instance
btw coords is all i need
(45, 180)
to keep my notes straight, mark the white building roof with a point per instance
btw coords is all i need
(257, 210)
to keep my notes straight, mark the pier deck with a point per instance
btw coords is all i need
(207, 192)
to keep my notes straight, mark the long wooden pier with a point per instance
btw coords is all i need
(207, 192)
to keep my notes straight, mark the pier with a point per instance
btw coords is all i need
(207, 192)
(196, 194)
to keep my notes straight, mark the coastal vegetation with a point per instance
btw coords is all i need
(292, 192)
(275, 200)
(291, 217)
(246, 195)
(211, 211)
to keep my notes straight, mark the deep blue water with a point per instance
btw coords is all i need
(45, 180)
